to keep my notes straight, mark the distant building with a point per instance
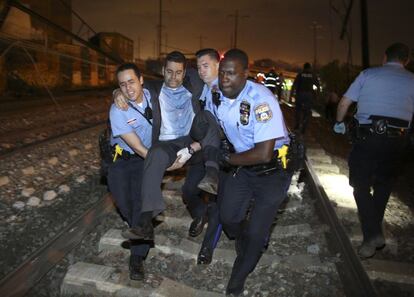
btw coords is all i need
(115, 44)
(24, 26)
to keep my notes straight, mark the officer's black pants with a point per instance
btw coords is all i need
(264, 194)
(124, 180)
(374, 164)
(303, 106)
(162, 155)
(193, 198)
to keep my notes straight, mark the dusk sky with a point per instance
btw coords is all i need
(267, 28)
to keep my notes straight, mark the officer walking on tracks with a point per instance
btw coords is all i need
(131, 139)
(385, 107)
(253, 123)
(304, 87)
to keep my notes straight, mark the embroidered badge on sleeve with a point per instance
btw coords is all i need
(263, 112)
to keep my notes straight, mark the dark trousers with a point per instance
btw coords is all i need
(163, 153)
(197, 206)
(124, 181)
(373, 164)
(263, 195)
(303, 106)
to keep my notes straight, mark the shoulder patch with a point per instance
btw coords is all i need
(263, 112)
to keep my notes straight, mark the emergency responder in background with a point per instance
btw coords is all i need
(253, 123)
(280, 86)
(260, 78)
(385, 107)
(131, 138)
(207, 64)
(175, 103)
(304, 90)
(270, 80)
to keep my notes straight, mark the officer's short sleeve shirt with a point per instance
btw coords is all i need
(383, 91)
(253, 117)
(130, 120)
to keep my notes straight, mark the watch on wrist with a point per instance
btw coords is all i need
(190, 150)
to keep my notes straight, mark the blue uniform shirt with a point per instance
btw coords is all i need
(176, 112)
(130, 120)
(206, 95)
(383, 91)
(254, 116)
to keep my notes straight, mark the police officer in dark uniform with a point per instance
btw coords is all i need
(176, 108)
(253, 123)
(385, 107)
(131, 139)
(304, 88)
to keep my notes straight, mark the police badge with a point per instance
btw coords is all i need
(244, 112)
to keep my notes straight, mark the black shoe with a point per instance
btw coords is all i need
(197, 226)
(136, 268)
(209, 183)
(205, 256)
(139, 232)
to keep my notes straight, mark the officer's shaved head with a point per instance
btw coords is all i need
(239, 55)
(211, 52)
(397, 52)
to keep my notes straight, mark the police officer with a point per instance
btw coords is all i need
(207, 65)
(385, 107)
(252, 121)
(131, 139)
(304, 87)
(175, 103)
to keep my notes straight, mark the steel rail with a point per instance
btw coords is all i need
(31, 271)
(354, 277)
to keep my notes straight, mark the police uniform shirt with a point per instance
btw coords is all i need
(206, 95)
(176, 112)
(130, 120)
(254, 116)
(383, 91)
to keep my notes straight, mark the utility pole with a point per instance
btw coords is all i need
(315, 28)
(201, 41)
(166, 43)
(159, 29)
(138, 47)
(331, 40)
(364, 34)
(236, 26)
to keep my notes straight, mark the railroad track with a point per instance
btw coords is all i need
(309, 250)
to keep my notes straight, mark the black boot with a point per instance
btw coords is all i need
(209, 183)
(205, 256)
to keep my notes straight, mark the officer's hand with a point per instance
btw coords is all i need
(120, 101)
(176, 165)
(339, 128)
(184, 155)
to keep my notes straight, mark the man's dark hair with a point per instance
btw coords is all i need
(128, 66)
(397, 52)
(307, 66)
(238, 54)
(211, 52)
(176, 57)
